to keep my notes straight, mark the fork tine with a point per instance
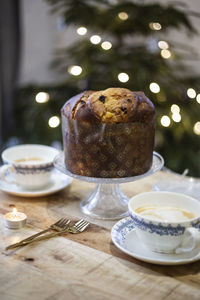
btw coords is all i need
(80, 221)
(84, 227)
(58, 222)
(67, 222)
(66, 225)
(64, 222)
(83, 224)
(79, 224)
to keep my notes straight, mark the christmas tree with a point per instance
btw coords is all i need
(123, 44)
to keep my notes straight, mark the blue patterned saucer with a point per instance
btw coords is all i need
(58, 182)
(124, 237)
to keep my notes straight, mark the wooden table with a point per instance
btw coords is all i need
(87, 265)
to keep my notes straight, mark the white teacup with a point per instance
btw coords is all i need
(30, 165)
(166, 222)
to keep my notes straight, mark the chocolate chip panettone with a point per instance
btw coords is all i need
(108, 133)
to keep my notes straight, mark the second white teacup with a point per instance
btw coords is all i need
(166, 222)
(30, 165)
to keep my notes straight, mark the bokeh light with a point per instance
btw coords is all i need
(155, 26)
(42, 97)
(123, 77)
(54, 122)
(154, 87)
(176, 117)
(95, 39)
(75, 70)
(123, 15)
(165, 121)
(175, 108)
(198, 98)
(196, 128)
(163, 45)
(106, 45)
(191, 93)
(165, 53)
(81, 30)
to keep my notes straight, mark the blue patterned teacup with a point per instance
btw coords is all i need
(166, 222)
(30, 166)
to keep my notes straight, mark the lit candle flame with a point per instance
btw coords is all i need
(14, 211)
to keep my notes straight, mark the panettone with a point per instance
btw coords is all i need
(108, 133)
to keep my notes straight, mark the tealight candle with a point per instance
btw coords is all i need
(15, 219)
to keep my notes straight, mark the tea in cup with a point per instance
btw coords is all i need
(30, 165)
(166, 222)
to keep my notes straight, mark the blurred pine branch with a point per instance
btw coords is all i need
(134, 51)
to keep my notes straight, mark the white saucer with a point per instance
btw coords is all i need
(125, 238)
(58, 182)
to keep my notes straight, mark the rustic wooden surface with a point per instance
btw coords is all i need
(84, 266)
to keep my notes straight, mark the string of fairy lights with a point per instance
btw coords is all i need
(76, 70)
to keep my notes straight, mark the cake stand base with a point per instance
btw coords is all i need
(106, 202)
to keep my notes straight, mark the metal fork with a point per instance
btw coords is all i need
(59, 226)
(78, 227)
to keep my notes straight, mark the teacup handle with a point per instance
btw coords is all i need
(4, 169)
(191, 240)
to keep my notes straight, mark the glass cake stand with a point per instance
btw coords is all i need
(107, 202)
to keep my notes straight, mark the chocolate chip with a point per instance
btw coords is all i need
(124, 109)
(82, 102)
(129, 100)
(102, 99)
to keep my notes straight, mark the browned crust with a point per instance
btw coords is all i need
(83, 107)
(73, 109)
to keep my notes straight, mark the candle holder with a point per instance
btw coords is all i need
(14, 219)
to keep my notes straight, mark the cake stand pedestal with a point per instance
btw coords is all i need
(107, 202)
